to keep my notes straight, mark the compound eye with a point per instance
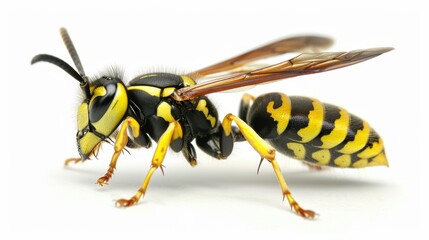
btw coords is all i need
(107, 107)
(101, 101)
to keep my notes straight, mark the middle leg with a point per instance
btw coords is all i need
(161, 149)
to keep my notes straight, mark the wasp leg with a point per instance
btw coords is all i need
(243, 110)
(244, 107)
(158, 158)
(190, 154)
(120, 143)
(267, 152)
(73, 160)
(210, 145)
(142, 141)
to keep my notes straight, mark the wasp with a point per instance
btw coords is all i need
(173, 111)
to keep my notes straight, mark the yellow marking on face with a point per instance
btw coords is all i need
(281, 114)
(378, 160)
(188, 81)
(315, 122)
(164, 111)
(114, 114)
(88, 142)
(375, 149)
(343, 160)
(361, 163)
(98, 92)
(339, 133)
(298, 150)
(153, 91)
(202, 106)
(82, 116)
(322, 156)
(148, 75)
(361, 138)
(168, 91)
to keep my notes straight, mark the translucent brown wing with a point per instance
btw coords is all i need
(306, 63)
(287, 45)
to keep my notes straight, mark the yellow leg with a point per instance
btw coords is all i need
(247, 98)
(73, 160)
(266, 152)
(120, 143)
(245, 103)
(157, 160)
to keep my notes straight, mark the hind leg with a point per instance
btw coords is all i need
(265, 151)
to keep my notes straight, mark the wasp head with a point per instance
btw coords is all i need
(104, 106)
(100, 114)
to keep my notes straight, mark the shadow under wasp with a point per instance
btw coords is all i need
(173, 110)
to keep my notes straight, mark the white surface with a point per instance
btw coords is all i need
(217, 198)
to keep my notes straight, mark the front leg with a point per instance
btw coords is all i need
(158, 158)
(72, 160)
(120, 143)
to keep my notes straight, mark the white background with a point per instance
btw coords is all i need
(217, 198)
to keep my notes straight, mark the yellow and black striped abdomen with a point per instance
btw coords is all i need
(307, 129)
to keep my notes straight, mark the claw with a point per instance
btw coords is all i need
(74, 160)
(307, 214)
(103, 180)
(126, 202)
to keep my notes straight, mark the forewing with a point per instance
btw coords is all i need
(306, 63)
(287, 45)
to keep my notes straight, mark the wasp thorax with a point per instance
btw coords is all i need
(98, 118)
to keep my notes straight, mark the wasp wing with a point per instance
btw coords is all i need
(306, 63)
(287, 45)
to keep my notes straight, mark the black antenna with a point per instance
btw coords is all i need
(72, 51)
(79, 75)
(59, 63)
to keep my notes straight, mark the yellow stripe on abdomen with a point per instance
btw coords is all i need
(281, 114)
(372, 150)
(360, 140)
(315, 122)
(339, 133)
